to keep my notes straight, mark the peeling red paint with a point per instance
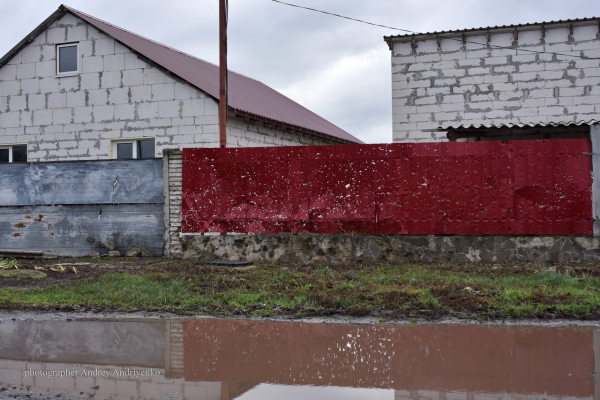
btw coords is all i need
(39, 218)
(16, 234)
(516, 187)
(21, 225)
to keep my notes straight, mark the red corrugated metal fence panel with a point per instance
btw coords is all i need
(517, 187)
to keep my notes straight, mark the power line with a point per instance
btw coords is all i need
(440, 36)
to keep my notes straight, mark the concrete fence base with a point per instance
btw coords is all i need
(345, 249)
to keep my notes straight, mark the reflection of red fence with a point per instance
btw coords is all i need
(517, 187)
(491, 359)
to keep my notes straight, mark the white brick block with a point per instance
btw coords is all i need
(31, 54)
(57, 100)
(540, 93)
(97, 97)
(210, 107)
(168, 109)
(103, 113)
(68, 83)
(133, 77)
(118, 96)
(30, 86)
(496, 78)
(153, 76)
(114, 62)
(588, 32)
(17, 103)
(83, 115)
(482, 97)
(163, 92)
(90, 81)
(479, 71)
(49, 85)
(551, 111)
(471, 80)
(56, 35)
(140, 93)
(104, 47)
(110, 79)
(76, 99)
(26, 71)
(36, 102)
(556, 65)
(147, 110)
(10, 119)
(8, 73)
(594, 81)
(505, 69)
(62, 116)
(576, 91)
(557, 35)
(531, 67)
(76, 33)
(42, 117)
(92, 64)
(529, 85)
(125, 111)
(86, 48)
(530, 37)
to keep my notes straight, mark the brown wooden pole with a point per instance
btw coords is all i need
(223, 73)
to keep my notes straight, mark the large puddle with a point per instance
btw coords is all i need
(247, 359)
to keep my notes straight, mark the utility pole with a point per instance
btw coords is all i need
(223, 9)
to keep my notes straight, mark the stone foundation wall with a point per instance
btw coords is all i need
(345, 249)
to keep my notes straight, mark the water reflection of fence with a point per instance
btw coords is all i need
(491, 359)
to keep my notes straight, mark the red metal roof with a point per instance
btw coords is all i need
(247, 96)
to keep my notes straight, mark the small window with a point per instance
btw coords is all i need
(15, 153)
(133, 149)
(67, 60)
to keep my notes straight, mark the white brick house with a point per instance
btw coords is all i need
(78, 87)
(537, 80)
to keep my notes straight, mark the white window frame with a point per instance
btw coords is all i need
(10, 151)
(69, 73)
(133, 141)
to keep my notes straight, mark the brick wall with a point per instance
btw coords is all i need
(451, 82)
(115, 96)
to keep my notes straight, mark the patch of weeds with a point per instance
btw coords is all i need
(8, 263)
(21, 274)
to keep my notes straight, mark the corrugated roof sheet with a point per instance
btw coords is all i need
(518, 126)
(245, 94)
(563, 21)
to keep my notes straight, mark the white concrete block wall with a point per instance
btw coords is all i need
(115, 96)
(472, 83)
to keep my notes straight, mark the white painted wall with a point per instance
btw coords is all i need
(116, 96)
(473, 83)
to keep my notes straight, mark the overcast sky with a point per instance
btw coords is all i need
(337, 68)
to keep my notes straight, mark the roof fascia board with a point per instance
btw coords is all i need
(56, 15)
(496, 29)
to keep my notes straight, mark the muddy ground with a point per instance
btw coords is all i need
(96, 267)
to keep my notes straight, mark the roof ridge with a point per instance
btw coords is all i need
(506, 26)
(153, 41)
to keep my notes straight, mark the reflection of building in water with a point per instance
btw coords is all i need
(210, 359)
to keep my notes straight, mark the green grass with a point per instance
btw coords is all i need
(400, 290)
(8, 263)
